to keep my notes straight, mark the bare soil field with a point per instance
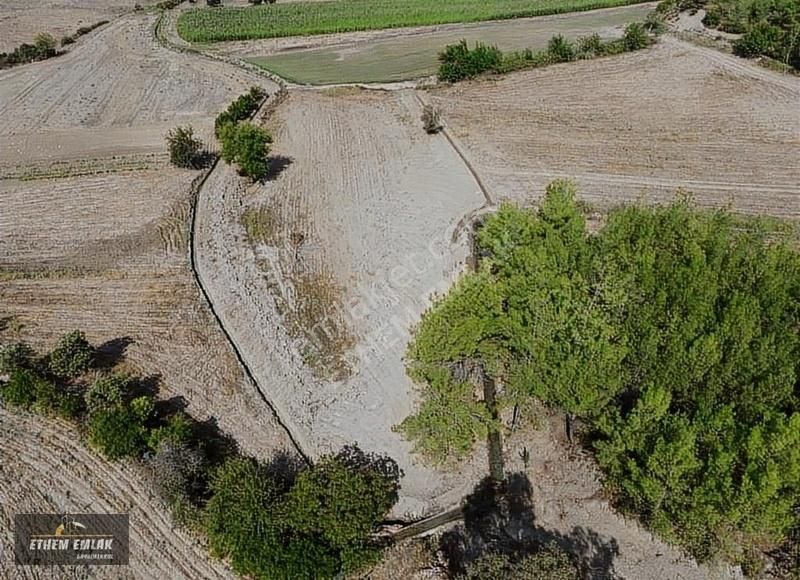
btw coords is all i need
(46, 468)
(116, 94)
(367, 217)
(104, 249)
(22, 20)
(637, 126)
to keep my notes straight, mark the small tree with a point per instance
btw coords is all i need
(72, 357)
(45, 45)
(184, 148)
(431, 120)
(247, 145)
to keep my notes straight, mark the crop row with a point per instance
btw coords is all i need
(306, 18)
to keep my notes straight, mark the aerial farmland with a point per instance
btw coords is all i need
(370, 289)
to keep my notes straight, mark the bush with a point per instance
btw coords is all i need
(65, 40)
(184, 148)
(431, 120)
(635, 37)
(458, 62)
(117, 432)
(590, 46)
(22, 389)
(179, 472)
(248, 146)
(72, 356)
(560, 49)
(654, 23)
(107, 392)
(14, 356)
(761, 39)
(177, 431)
(548, 563)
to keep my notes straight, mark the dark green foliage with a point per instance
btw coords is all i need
(72, 356)
(459, 62)
(184, 148)
(590, 46)
(560, 49)
(317, 529)
(118, 432)
(675, 334)
(655, 23)
(248, 146)
(241, 109)
(81, 31)
(22, 389)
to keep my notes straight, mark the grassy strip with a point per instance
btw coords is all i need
(306, 18)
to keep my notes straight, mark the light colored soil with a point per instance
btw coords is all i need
(22, 20)
(45, 468)
(638, 126)
(108, 254)
(369, 191)
(118, 93)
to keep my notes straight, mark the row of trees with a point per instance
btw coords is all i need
(458, 61)
(275, 520)
(674, 333)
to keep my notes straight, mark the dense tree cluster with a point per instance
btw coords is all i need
(675, 334)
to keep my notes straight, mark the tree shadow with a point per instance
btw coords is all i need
(283, 468)
(112, 352)
(217, 445)
(499, 518)
(277, 164)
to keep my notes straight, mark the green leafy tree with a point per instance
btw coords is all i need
(635, 36)
(72, 356)
(15, 356)
(560, 49)
(107, 392)
(184, 147)
(248, 146)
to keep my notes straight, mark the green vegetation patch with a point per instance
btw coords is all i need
(674, 333)
(306, 18)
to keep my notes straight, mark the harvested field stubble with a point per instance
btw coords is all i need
(640, 125)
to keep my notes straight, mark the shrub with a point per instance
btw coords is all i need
(560, 49)
(65, 40)
(184, 148)
(72, 356)
(45, 45)
(458, 61)
(762, 38)
(431, 120)
(107, 392)
(117, 432)
(548, 563)
(590, 46)
(22, 389)
(14, 356)
(635, 36)
(179, 472)
(177, 431)
(654, 23)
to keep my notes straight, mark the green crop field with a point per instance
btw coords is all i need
(305, 18)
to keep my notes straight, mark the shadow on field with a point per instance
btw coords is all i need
(277, 164)
(499, 518)
(112, 352)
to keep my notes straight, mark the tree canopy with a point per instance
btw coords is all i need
(674, 332)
